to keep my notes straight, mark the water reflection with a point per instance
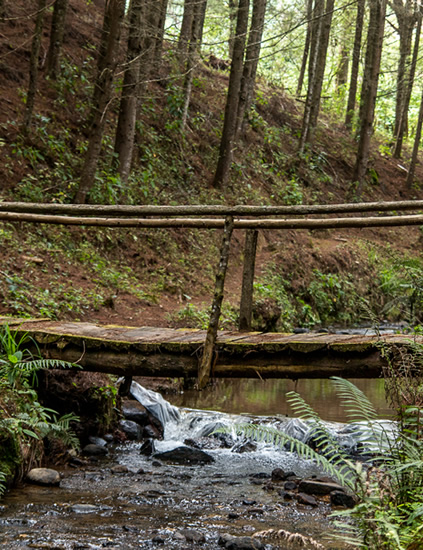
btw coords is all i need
(268, 397)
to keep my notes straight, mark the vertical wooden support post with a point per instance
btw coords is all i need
(246, 305)
(205, 365)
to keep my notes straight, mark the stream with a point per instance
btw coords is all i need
(128, 500)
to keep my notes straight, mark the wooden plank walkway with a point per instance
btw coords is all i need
(164, 352)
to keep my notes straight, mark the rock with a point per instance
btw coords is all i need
(94, 450)
(132, 410)
(190, 535)
(278, 475)
(239, 543)
(245, 447)
(152, 432)
(119, 469)
(185, 455)
(249, 502)
(340, 498)
(43, 476)
(262, 475)
(132, 430)
(317, 487)
(290, 486)
(147, 448)
(97, 441)
(302, 498)
(158, 539)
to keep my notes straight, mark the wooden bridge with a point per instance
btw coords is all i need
(189, 353)
(163, 352)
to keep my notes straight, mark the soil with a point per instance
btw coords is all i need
(299, 252)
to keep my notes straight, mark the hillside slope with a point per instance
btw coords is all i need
(163, 277)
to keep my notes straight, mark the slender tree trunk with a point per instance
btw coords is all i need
(125, 131)
(103, 89)
(417, 138)
(352, 92)
(231, 109)
(186, 29)
(203, 9)
(233, 6)
(370, 85)
(306, 48)
(191, 56)
(33, 65)
(252, 57)
(158, 46)
(403, 123)
(406, 18)
(56, 38)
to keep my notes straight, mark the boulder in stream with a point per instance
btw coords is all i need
(132, 430)
(94, 450)
(185, 455)
(133, 410)
(231, 542)
(43, 476)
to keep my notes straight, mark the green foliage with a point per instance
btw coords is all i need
(389, 490)
(192, 316)
(25, 421)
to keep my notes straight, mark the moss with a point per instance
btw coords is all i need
(10, 457)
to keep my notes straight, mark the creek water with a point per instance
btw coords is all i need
(148, 504)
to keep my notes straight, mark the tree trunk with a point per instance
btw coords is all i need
(252, 57)
(417, 138)
(56, 38)
(206, 363)
(231, 109)
(352, 92)
(370, 85)
(33, 65)
(246, 305)
(103, 89)
(158, 46)
(191, 54)
(186, 29)
(233, 6)
(203, 9)
(403, 122)
(406, 18)
(306, 47)
(125, 131)
(315, 37)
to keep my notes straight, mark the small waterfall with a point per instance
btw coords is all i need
(155, 404)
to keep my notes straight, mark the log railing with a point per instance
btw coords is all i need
(229, 218)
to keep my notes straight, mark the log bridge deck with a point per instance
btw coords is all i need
(164, 352)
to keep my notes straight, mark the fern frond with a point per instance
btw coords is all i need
(357, 406)
(339, 467)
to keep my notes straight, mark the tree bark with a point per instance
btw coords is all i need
(158, 46)
(403, 121)
(206, 363)
(417, 139)
(246, 305)
(370, 85)
(103, 89)
(231, 109)
(252, 57)
(233, 6)
(56, 38)
(125, 131)
(33, 65)
(186, 29)
(406, 17)
(306, 48)
(355, 64)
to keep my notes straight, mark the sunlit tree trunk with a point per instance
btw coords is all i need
(355, 63)
(33, 65)
(369, 88)
(318, 51)
(231, 109)
(403, 121)
(306, 47)
(103, 90)
(252, 57)
(417, 139)
(125, 131)
(56, 37)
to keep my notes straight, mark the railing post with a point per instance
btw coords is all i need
(246, 305)
(205, 365)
